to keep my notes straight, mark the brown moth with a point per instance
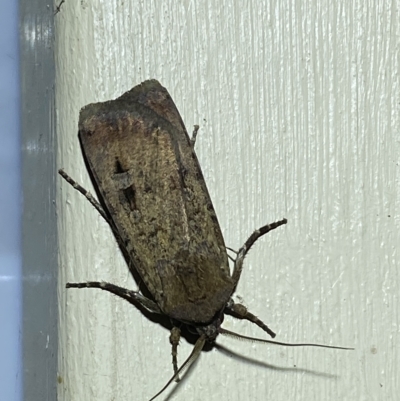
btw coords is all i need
(154, 197)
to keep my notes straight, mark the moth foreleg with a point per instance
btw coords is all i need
(94, 202)
(174, 340)
(134, 297)
(85, 193)
(240, 312)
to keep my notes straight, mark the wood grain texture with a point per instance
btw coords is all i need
(298, 104)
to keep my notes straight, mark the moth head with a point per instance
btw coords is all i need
(211, 331)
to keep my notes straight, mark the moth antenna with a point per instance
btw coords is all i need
(192, 357)
(237, 270)
(261, 340)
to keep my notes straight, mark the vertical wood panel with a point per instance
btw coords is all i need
(298, 104)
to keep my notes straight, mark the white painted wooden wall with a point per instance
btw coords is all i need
(298, 104)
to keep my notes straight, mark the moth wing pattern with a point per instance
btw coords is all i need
(148, 176)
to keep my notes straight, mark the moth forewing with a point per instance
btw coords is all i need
(148, 176)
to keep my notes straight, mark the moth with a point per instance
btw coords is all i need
(153, 195)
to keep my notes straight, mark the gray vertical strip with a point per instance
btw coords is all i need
(10, 207)
(39, 235)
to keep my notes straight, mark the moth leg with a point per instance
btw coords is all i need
(240, 312)
(58, 8)
(237, 269)
(94, 203)
(232, 250)
(194, 135)
(133, 297)
(174, 340)
(85, 193)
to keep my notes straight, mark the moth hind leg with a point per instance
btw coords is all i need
(174, 340)
(240, 312)
(133, 297)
